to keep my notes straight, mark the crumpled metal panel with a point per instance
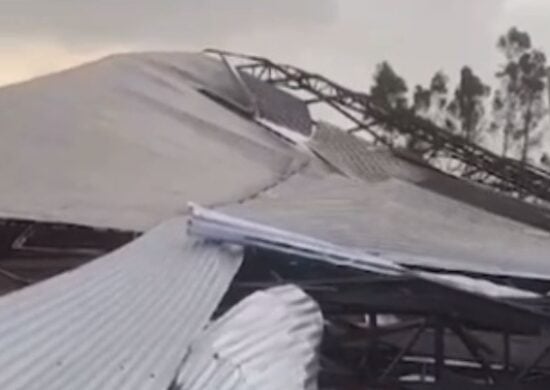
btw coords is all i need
(123, 321)
(464, 292)
(268, 341)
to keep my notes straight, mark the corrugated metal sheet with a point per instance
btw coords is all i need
(211, 224)
(214, 225)
(356, 158)
(278, 106)
(411, 225)
(267, 341)
(463, 293)
(127, 141)
(123, 321)
(478, 196)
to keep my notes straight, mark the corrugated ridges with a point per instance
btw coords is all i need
(278, 106)
(357, 158)
(411, 225)
(123, 321)
(267, 341)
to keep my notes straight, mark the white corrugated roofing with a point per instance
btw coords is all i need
(220, 227)
(123, 321)
(270, 341)
(127, 141)
(408, 223)
(214, 225)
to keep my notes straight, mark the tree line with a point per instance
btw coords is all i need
(507, 118)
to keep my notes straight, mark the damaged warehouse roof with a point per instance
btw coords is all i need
(96, 155)
(127, 141)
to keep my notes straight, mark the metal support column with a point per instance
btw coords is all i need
(439, 348)
(506, 341)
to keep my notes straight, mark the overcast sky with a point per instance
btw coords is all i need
(342, 38)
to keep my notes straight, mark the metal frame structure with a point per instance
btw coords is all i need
(360, 351)
(31, 251)
(481, 165)
(471, 332)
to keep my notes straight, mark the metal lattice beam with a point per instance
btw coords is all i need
(496, 171)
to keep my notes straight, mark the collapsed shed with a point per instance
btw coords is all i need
(362, 267)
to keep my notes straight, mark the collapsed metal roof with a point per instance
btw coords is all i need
(219, 227)
(122, 321)
(443, 301)
(267, 341)
(128, 141)
(407, 223)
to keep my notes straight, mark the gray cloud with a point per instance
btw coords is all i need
(342, 38)
(98, 22)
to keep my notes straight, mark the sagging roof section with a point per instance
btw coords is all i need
(270, 341)
(213, 225)
(127, 141)
(406, 222)
(123, 321)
